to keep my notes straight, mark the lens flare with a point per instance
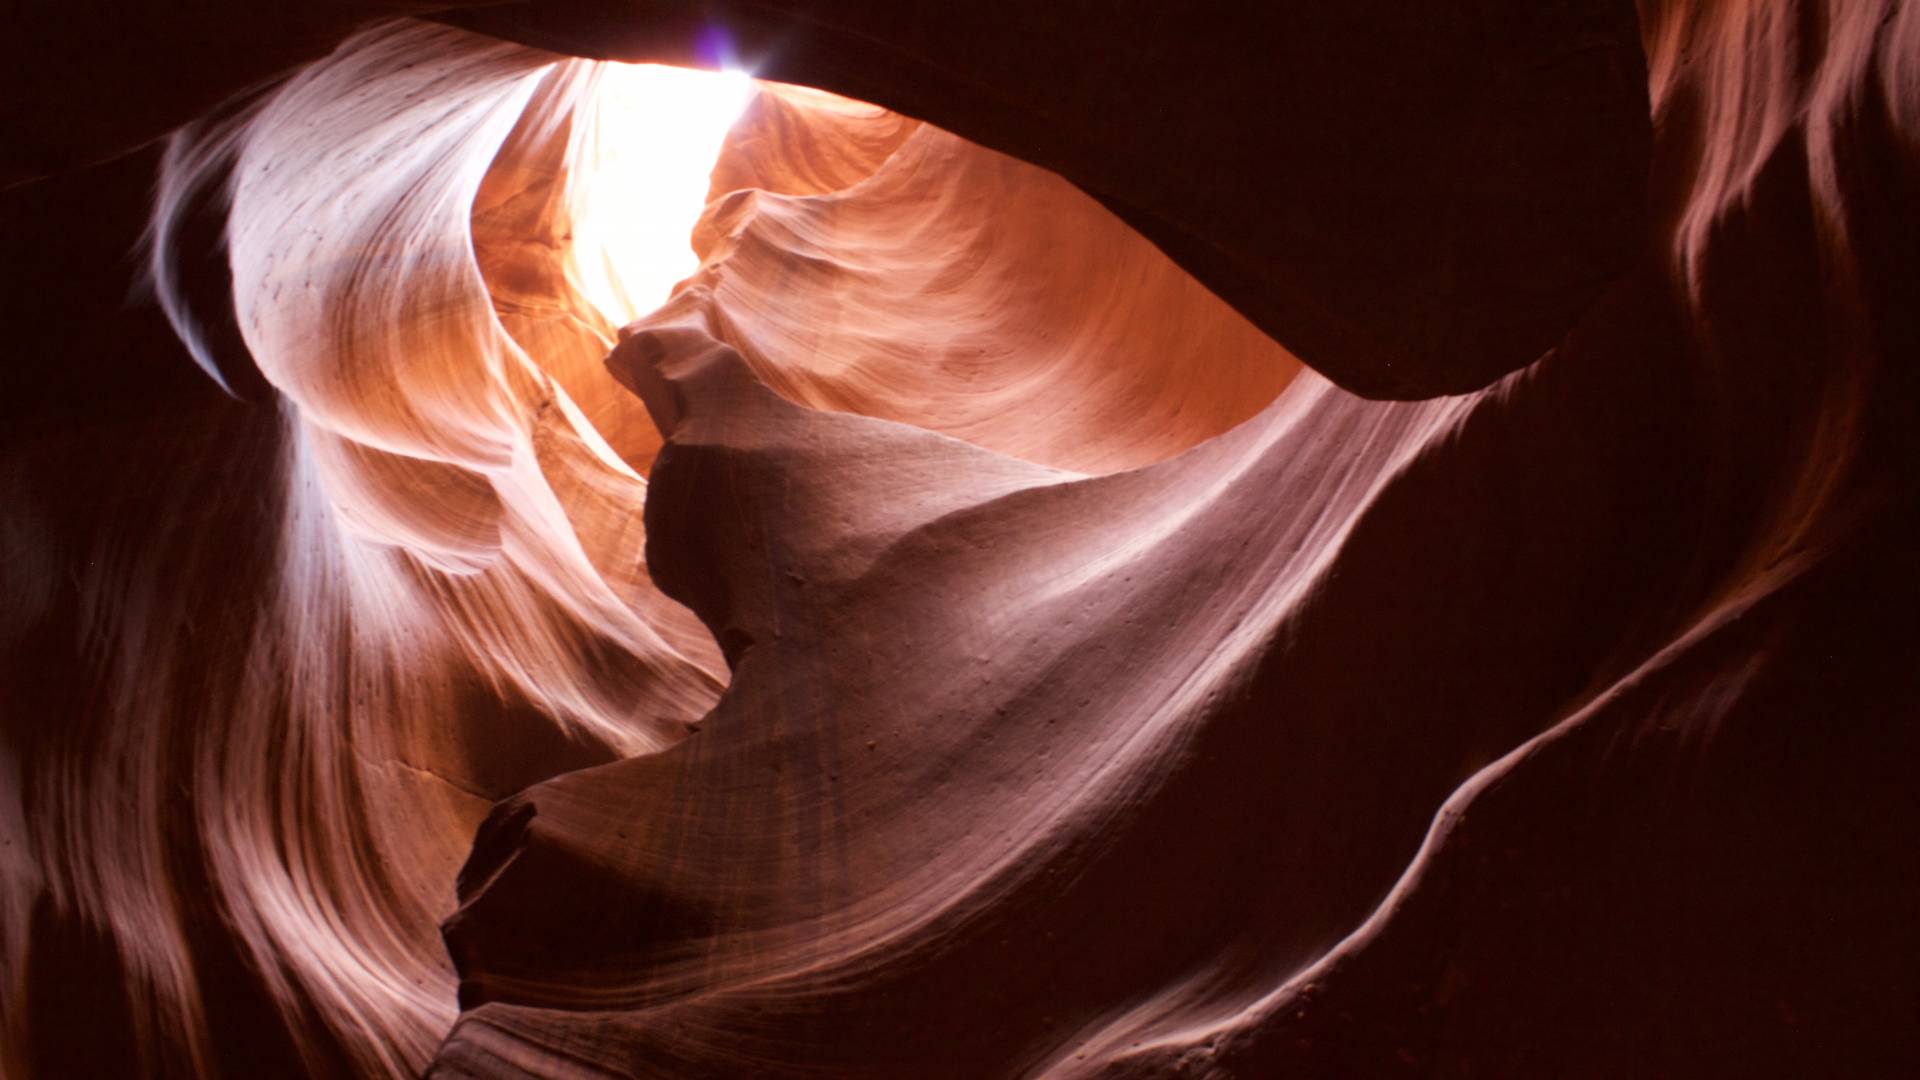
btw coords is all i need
(648, 143)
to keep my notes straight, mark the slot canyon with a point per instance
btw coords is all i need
(1121, 540)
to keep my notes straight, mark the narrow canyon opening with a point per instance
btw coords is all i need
(1052, 540)
(642, 162)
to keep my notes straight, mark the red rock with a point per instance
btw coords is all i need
(955, 635)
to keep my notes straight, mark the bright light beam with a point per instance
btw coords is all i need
(647, 147)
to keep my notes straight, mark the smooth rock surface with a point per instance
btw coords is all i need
(960, 635)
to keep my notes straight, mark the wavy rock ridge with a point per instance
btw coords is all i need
(947, 638)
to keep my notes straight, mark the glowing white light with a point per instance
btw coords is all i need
(646, 148)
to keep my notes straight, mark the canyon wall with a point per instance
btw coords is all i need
(1294, 543)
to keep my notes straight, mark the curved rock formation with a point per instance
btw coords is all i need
(946, 638)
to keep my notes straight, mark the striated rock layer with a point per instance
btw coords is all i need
(947, 638)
